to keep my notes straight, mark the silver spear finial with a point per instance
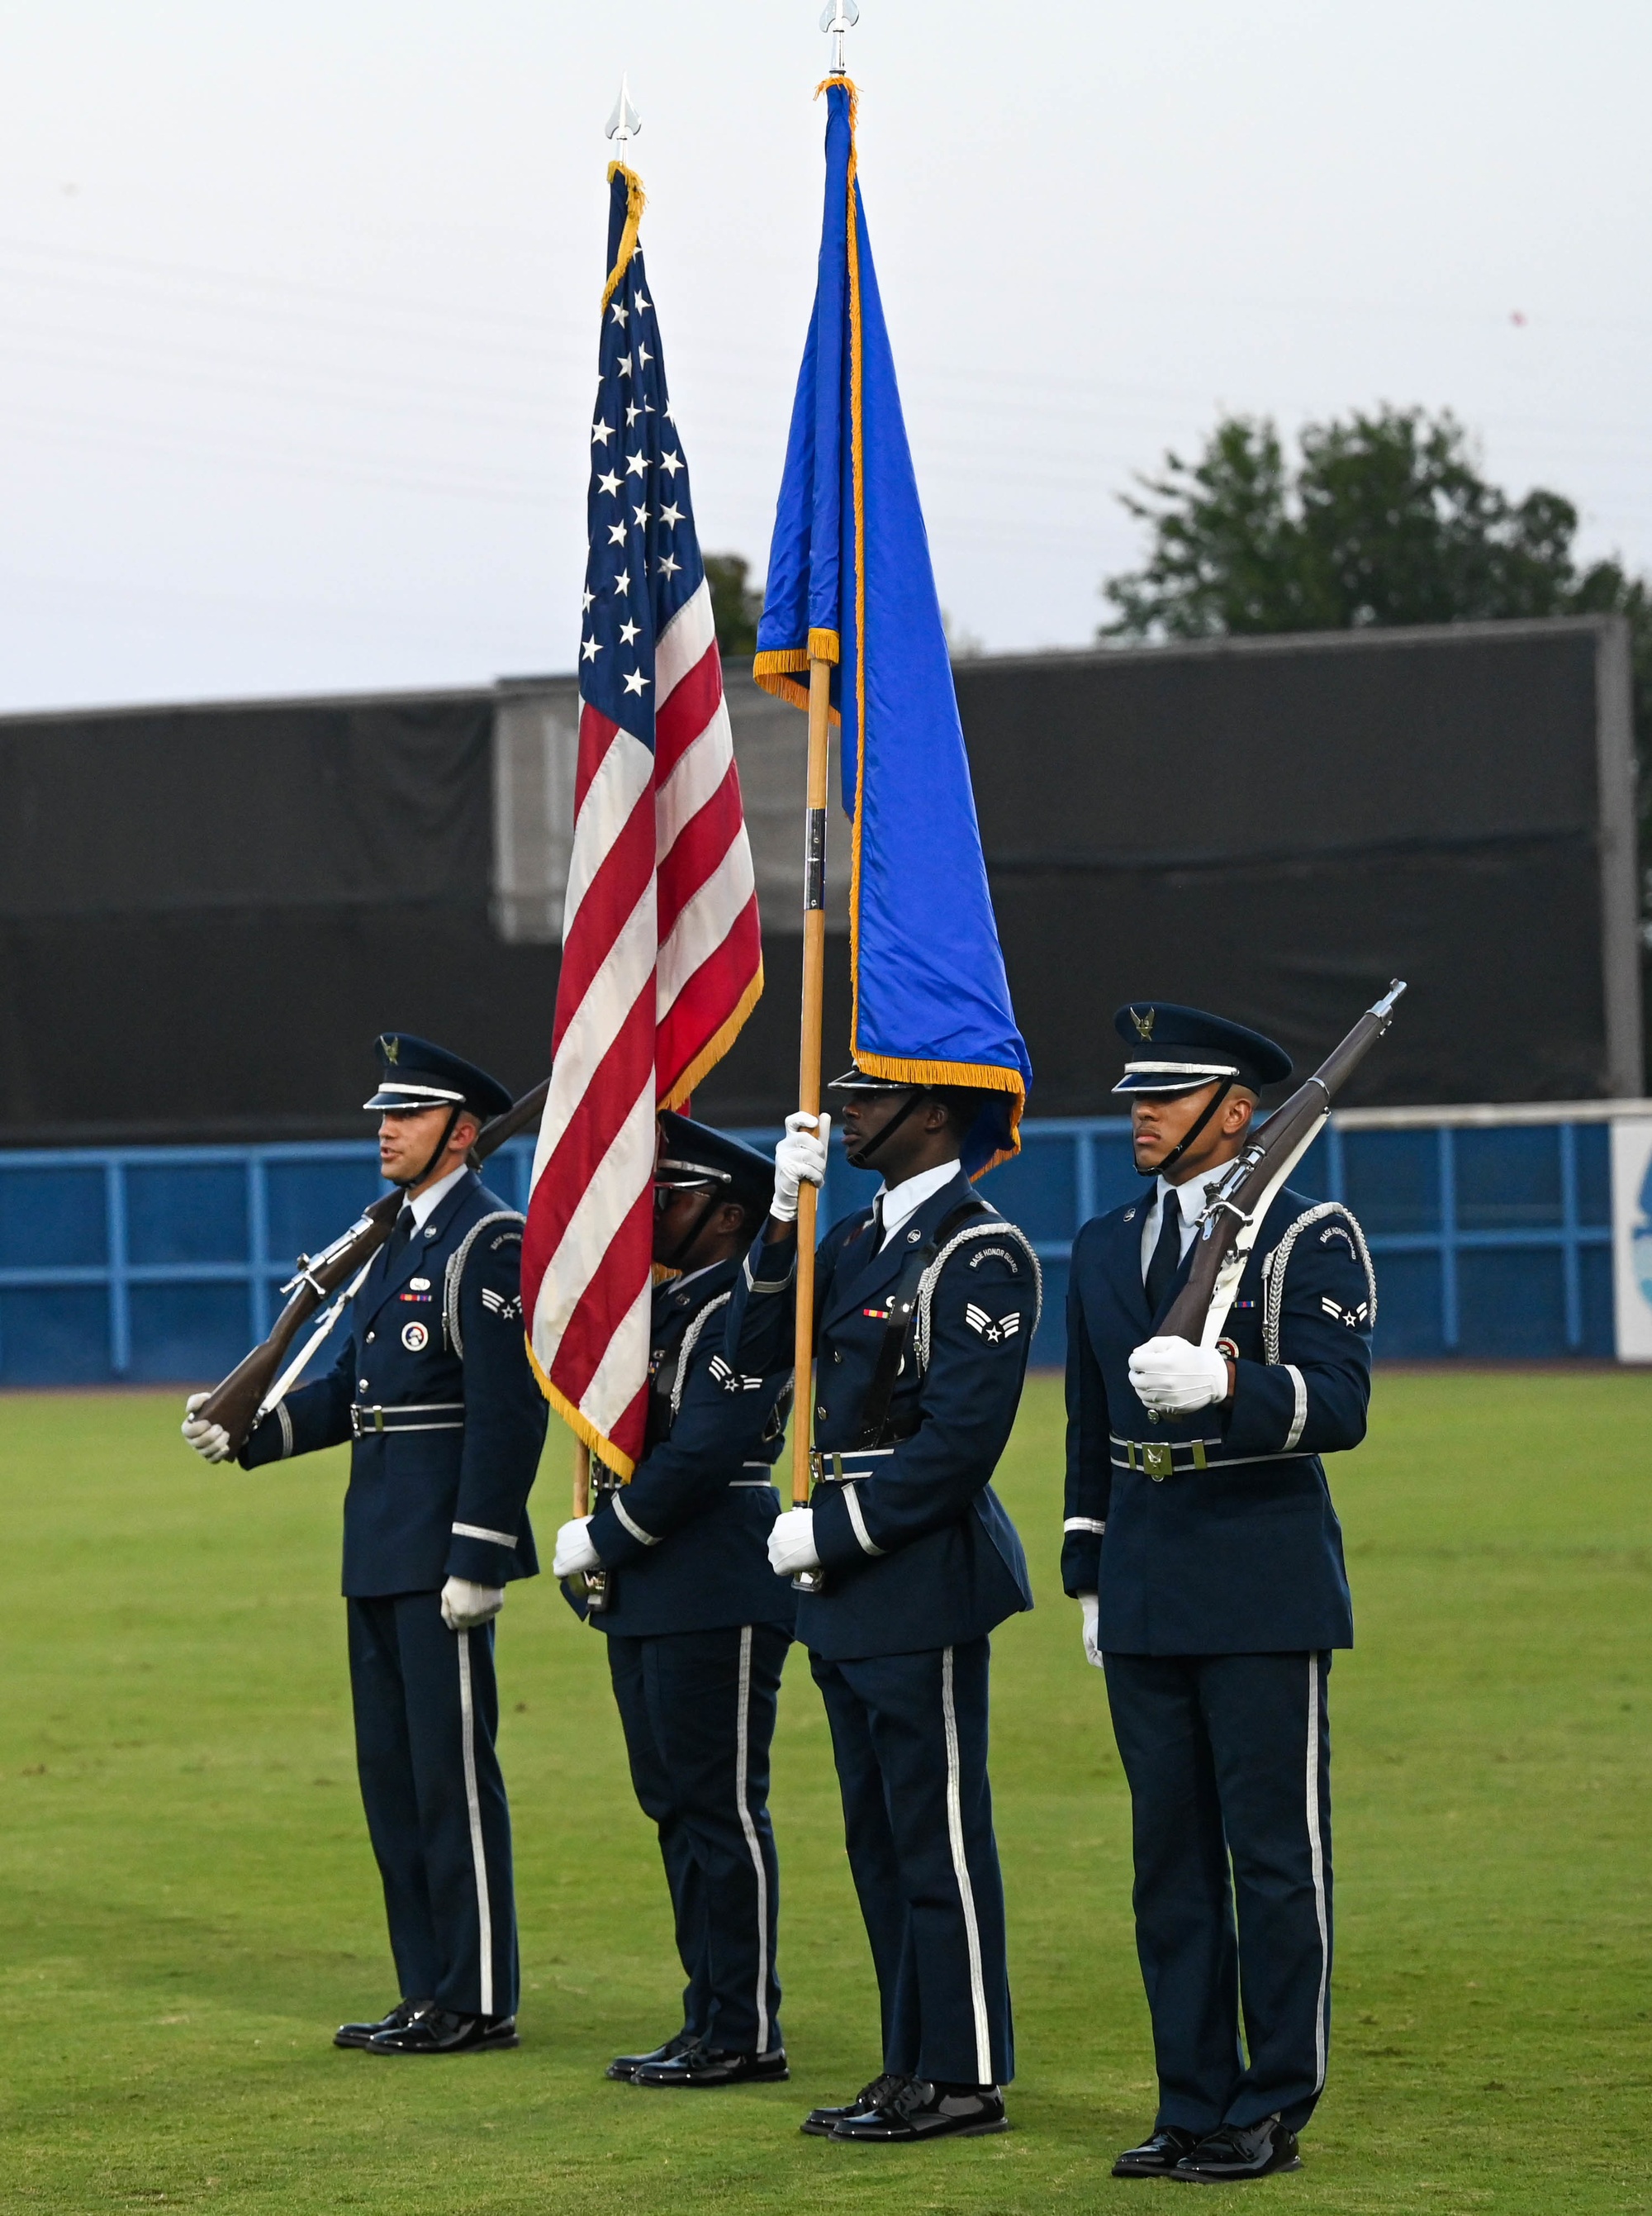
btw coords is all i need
(836, 17)
(624, 123)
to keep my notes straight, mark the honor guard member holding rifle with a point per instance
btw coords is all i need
(925, 1305)
(1201, 1543)
(697, 1625)
(435, 1389)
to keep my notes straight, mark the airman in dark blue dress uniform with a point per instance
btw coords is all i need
(697, 1625)
(925, 1310)
(1201, 1541)
(435, 1389)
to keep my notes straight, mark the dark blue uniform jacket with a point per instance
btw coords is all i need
(688, 1537)
(918, 1550)
(1243, 1554)
(436, 1355)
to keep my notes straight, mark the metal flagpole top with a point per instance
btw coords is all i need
(836, 17)
(624, 123)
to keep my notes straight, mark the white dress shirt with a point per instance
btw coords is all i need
(1190, 1200)
(901, 1201)
(430, 1199)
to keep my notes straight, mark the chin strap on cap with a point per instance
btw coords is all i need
(1157, 1169)
(439, 1149)
(890, 1127)
(677, 1258)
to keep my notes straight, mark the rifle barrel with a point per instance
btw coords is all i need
(235, 1401)
(1275, 1141)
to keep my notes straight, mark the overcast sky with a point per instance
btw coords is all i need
(297, 303)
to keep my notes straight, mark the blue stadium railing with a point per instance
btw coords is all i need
(155, 1264)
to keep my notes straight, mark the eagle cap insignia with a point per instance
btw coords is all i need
(1144, 1023)
(392, 1047)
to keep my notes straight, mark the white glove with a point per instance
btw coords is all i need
(574, 1552)
(466, 1606)
(1174, 1378)
(1092, 1605)
(210, 1441)
(791, 1543)
(799, 1159)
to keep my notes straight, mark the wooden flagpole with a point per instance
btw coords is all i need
(581, 1478)
(808, 1064)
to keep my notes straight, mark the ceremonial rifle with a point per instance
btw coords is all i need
(1232, 1215)
(252, 1387)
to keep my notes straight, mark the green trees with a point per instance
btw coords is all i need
(1378, 519)
(736, 604)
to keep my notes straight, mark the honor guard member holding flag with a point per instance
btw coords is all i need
(1202, 1543)
(435, 1389)
(697, 1625)
(925, 1308)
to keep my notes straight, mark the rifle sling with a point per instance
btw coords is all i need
(898, 1327)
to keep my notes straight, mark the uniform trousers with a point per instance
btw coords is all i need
(426, 1713)
(1228, 1758)
(698, 1712)
(909, 1736)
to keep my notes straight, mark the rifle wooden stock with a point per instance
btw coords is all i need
(1275, 1147)
(235, 1401)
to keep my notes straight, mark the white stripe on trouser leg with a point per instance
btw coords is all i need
(742, 1741)
(1316, 1857)
(961, 1867)
(473, 1801)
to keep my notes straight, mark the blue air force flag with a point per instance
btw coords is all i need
(850, 582)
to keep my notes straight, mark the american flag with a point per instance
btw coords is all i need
(661, 955)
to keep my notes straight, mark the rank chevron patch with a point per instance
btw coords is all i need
(993, 1330)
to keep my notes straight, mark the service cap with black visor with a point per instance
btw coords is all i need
(717, 1171)
(1193, 1091)
(425, 1091)
(1183, 1051)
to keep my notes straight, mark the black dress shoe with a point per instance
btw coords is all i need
(1157, 2155)
(820, 2122)
(1235, 2152)
(923, 2111)
(702, 2068)
(444, 2031)
(625, 2067)
(359, 2034)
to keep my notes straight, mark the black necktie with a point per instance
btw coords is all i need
(396, 1243)
(877, 1225)
(1167, 1255)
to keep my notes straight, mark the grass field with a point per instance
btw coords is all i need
(189, 1904)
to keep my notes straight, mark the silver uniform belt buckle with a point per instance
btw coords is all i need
(1157, 1460)
(360, 1427)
